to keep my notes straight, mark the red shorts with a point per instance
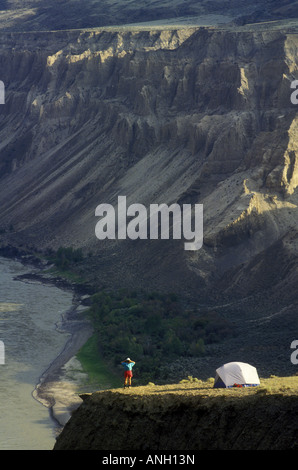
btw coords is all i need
(128, 373)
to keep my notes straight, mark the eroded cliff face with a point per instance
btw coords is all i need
(189, 115)
(176, 418)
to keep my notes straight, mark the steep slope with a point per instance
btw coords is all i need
(271, 10)
(190, 115)
(42, 15)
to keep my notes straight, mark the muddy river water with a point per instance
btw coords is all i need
(29, 315)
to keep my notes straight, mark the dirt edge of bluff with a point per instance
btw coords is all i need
(191, 415)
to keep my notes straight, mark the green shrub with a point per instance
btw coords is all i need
(152, 329)
(65, 257)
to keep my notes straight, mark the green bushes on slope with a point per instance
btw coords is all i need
(65, 256)
(152, 329)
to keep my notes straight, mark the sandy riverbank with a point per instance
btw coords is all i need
(60, 384)
(61, 393)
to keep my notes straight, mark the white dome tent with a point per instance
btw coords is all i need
(235, 374)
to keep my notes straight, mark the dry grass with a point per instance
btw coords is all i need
(189, 415)
(193, 386)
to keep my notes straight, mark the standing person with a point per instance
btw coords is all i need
(128, 365)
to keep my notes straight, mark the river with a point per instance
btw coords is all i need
(29, 313)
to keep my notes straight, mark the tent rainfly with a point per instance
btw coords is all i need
(235, 374)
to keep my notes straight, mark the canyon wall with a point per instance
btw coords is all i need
(187, 115)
